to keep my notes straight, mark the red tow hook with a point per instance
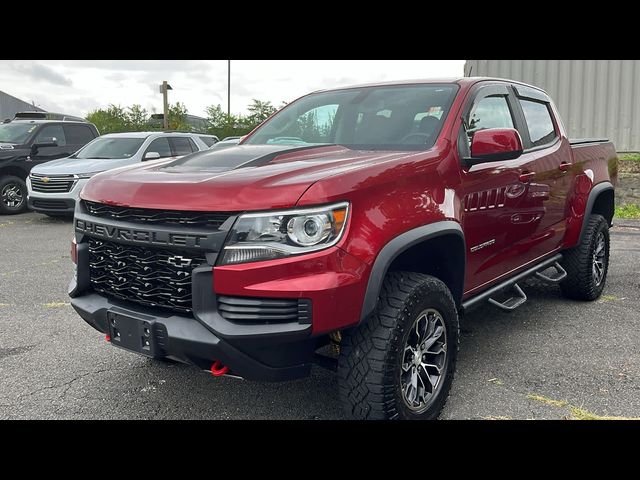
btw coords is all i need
(218, 369)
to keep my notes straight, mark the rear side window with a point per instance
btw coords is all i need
(49, 132)
(539, 122)
(182, 146)
(160, 145)
(78, 134)
(208, 140)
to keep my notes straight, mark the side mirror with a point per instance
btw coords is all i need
(50, 142)
(495, 144)
(151, 156)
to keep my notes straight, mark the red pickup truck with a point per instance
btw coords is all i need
(350, 229)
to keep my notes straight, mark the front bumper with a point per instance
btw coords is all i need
(184, 339)
(54, 203)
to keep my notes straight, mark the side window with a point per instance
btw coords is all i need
(182, 146)
(52, 131)
(490, 112)
(208, 140)
(160, 145)
(78, 134)
(539, 122)
(194, 147)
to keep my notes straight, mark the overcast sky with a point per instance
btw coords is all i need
(77, 86)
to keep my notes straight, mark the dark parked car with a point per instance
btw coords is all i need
(27, 143)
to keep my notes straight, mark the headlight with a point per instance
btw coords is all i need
(81, 176)
(266, 236)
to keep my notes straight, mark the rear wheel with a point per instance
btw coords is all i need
(399, 363)
(13, 195)
(588, 263)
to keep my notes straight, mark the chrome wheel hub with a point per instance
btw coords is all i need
(599, 258)
(12, 196)
(423, 360)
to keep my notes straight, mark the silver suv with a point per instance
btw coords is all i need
(54, 187)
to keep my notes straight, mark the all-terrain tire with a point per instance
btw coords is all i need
(581, 281)
(7, 183)
(372, 354)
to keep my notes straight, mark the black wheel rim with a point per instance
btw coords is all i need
(424, 358)
(12, 196)
(599, 259)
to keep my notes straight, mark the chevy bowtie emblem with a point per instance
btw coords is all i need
(45, 179)
(178, 261)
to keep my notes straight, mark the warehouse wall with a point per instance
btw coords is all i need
(596, 98)
(9, 105)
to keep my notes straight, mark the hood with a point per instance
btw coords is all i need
(70, 166)
(244, 177)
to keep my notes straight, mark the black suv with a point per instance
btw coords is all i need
(27, 143)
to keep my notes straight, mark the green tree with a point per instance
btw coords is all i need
(136, 118)
(110, 120)
(259, 111)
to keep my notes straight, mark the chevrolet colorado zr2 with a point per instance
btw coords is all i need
(350, 229)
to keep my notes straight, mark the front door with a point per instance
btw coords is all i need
(46, 134)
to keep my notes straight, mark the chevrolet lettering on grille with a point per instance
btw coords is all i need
(135, 235)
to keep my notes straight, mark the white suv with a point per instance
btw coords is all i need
(54, 187)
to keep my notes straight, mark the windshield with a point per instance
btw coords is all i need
(110, 148)
(16, 132)
(399, 117)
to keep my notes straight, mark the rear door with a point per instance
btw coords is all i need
(550, 158)
(182, 146)
(77, 136)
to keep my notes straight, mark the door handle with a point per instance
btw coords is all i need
(525, 177)
(565, 166)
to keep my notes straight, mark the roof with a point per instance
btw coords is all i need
(147, 134)
(425, 81)
(39, 121)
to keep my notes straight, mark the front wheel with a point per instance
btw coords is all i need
(13, 195)
(399, 363)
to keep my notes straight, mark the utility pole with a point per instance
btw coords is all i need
(164, 88)
(228, 89)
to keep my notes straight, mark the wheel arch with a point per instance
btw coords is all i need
(14, 171)
(601, 201)
(436, 249)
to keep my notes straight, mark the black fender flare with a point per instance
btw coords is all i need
(591, 200)
(398, 245)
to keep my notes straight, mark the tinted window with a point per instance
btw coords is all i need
(182, 146)
(208, 140)
(51, 131)
(16, 132)
(160, 145)
(539, 122)
(78, 134)
(490, 112)
(374, 118)
(105, 148)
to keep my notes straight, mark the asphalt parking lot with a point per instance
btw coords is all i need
(552, 358)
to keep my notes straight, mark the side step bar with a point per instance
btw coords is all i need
(514, 302)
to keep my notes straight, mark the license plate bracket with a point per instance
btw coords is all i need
(131, 333)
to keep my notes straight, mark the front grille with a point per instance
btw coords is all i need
(150, 276)
(53, 184)
(264, 310)
(158, 217)
(51, 204)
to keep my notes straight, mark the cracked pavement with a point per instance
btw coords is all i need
(54, 366)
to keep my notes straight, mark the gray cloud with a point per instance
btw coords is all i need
(43, 73)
